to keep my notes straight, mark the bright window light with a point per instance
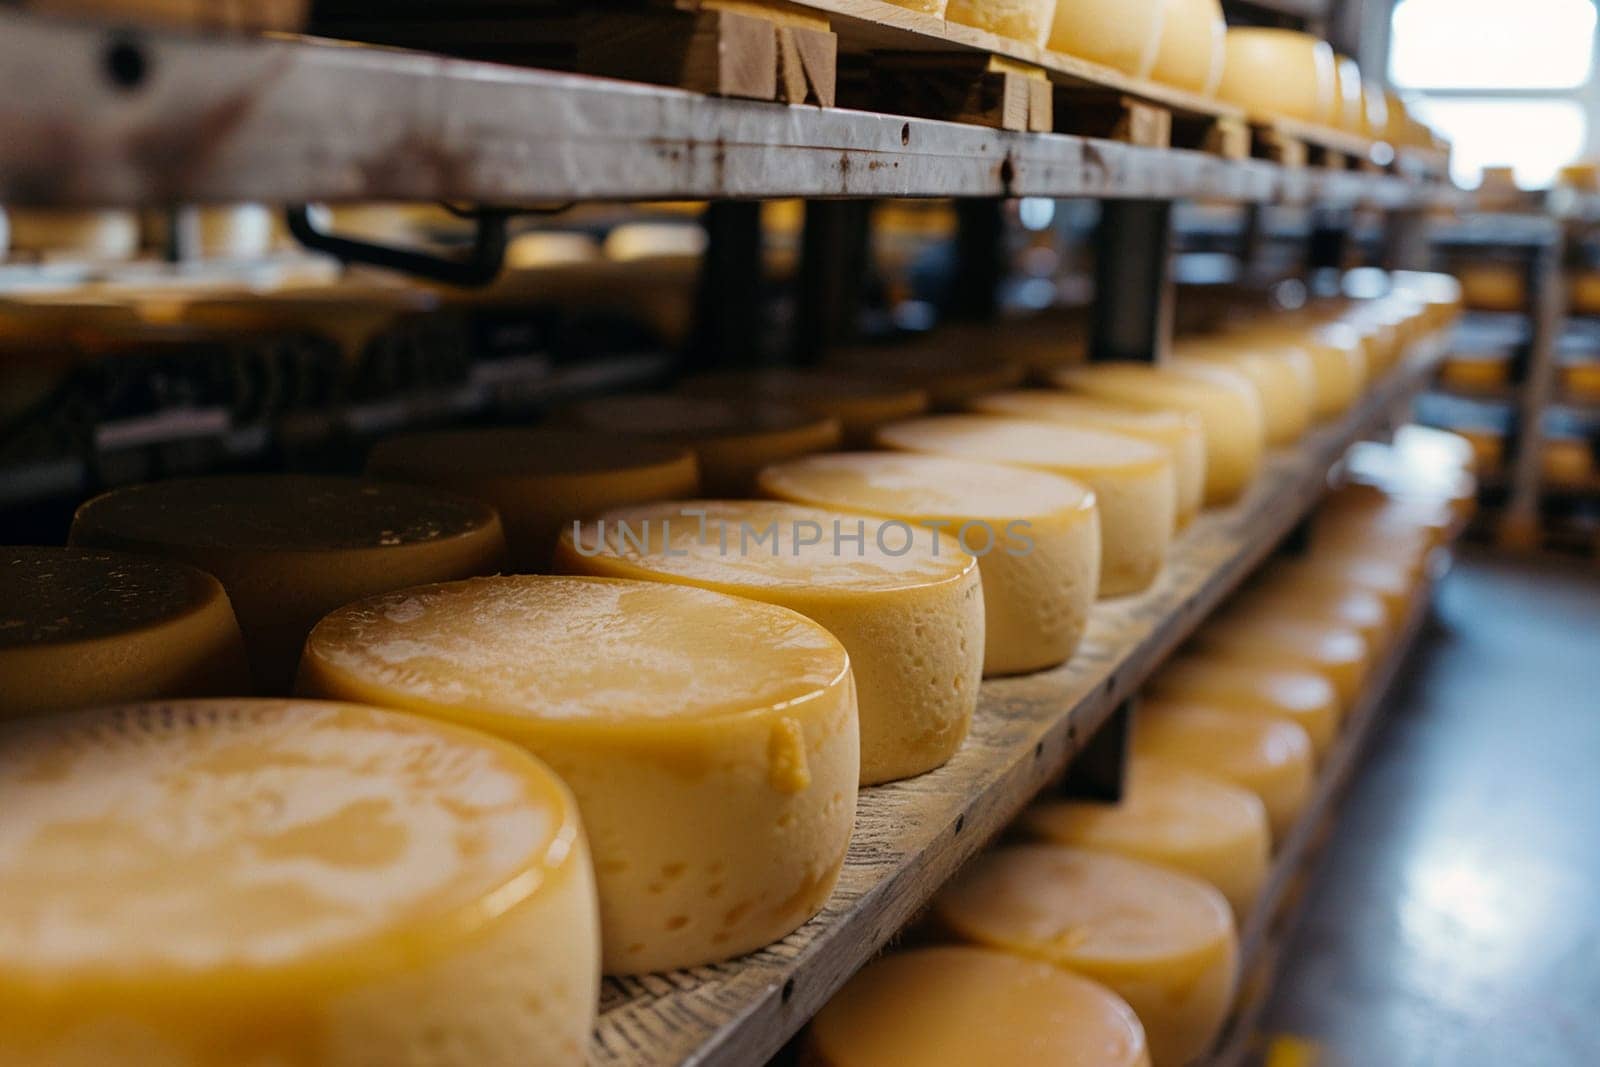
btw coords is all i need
(1492, 44)
(1538, 137)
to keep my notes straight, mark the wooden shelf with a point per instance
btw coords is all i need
(102, 117)
(912, 836)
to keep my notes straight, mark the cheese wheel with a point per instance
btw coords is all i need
(63, 235)
(1566, 461)
(1492, 287)
(1278, 72)
(291, 548)
(1583, 292)
(1193, 46)
(1475, 371)
(234, 231)
(1022, 20)
(1163, 941)
(540, 481)
(1339, 370)
(1230, 415)
(1036, 537)
(1374, 111)
(1173, 817)
(1488, 446)
(955, 1006)
(1284, 596)
(860, 404)
(633, 241)
(1133, 481)
(1349, 105)
(1270, 757)
(1290, 693)
(1338, 653)
(252, 882)
(1179, 432)
(1282, 376)
(732, 438)
(1581, 380)
(906, 603)
(951, 371)
(82, 628)
(1439, 292)
(712, 741)
(542, 249)
(1124, 34)
(1390, 581)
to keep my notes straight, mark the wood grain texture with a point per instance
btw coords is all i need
(912, 836)
(236, 16)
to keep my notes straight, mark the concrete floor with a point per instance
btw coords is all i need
(1456, 917)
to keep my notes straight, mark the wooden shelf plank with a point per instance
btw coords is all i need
(912, 836)
(291, 120)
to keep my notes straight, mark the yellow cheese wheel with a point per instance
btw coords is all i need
(1567, 461)
(1488, 447)
(955, 1006)
(1279, 72)
(81, 628)
(1270, 757)
(1493, 287)
(1581, 380)
(1179, 432)
(539, 250)
(539, 480)
(1284, 596)
(860, 404)
(635, 241)
(731, 438)
(1282, 376)
(1022, 20)
(65, 235)
(252, 882)
(1392, 582)
(1338, 653)
(1475, 372)
(1349, 105)
(712, 741)
(950, 369)
(1163, 941)
(291, 548)
(1583, 292)
(234, 231)
(1339, 363)
(1583, 175)
(1192, 46)
(1439, 292)
(905, 602)
(1230, 415)
(1035, 535)
(1374, 111)
(1134, 484)
(1292, 694)
(1124, 34)
(1175, 817)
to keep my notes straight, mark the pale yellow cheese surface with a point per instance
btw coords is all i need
(956, 1006)
(1269, 756)
(1192, 46)
(243, 882)
(1134, 482)
(1293, 694)
(1284, 596)
(1040, 571)
(291, 548)
(1179, 432)
(1391, 581)
(1124, 34)
(905, 602)
(712, 741)
(1173, 817)
(1163, 941)
(1023, 20)
(81, 628)
(538, 480)
(1338, 653)
(1338, 360)
(1282, 376)
(1279, 72)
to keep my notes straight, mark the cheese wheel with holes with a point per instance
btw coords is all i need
(955, 1006)
(860, 404)
(711, 741)
(1134, 484)
(1036, 537)
(1124, 34)
(253, 882)
(80, 628)
(1293, 694)
(1278, 72)
(1338, 653)
(1172, 817)
(291, 548)
(1021, 20)
(1229, 411)
(1165, 942)
(539, 480)
(906, 603)
(1282, 376)
(1269, 756)
(1193, 46)
(732, 438)
(1179, 432)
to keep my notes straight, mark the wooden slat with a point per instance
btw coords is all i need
(235, 16)
(912, 836)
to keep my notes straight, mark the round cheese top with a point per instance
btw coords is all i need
(956, 1005)
(1052, 405)
(278, 513)
(1232, 742)
(1040, 445)
(520, 453)
(577, 650)
(65, 595)
(258, 840)
(920, 488)
(737, 545)
(1091, 907)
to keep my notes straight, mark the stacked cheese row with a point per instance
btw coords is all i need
(1137, 903)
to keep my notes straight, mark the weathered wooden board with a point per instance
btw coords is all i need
(237, 16)
(912, 836)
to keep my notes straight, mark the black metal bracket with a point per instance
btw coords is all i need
(480, 265)
(1099, 770)
(1133, 304)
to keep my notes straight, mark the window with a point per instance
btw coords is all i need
(1503, 81)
